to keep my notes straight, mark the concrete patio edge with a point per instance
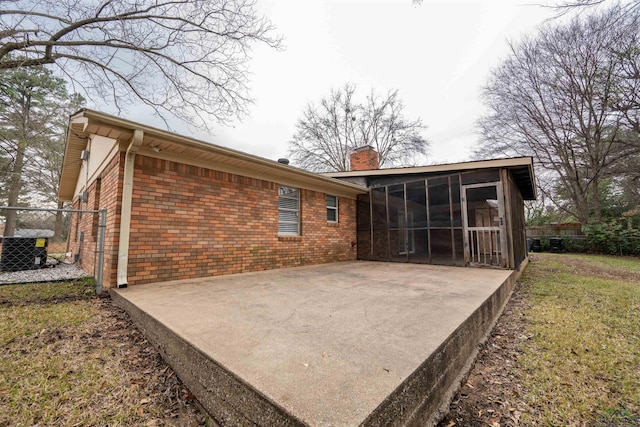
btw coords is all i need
(232, 400)
(464, 371)
(447, 378)
(420, 400)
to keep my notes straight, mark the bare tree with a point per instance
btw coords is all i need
(327, 133)
(182, 57)
(580, 5)
(558, 98)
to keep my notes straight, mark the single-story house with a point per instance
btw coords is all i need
(179, 208)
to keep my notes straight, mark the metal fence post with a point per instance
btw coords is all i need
(101, 231)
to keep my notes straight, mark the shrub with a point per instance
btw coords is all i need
(612, 238)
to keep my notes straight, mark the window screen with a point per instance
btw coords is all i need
(332, 208)
(288, 210)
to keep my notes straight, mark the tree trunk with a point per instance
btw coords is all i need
(15, 187)
(579, 197)
(597, 203)
(57, 229)
(582, 209)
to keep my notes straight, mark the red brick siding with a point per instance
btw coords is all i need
(82, 242)
(189, 221)
(104, 193)
(111, 200)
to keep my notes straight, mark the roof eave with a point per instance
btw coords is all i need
(513, 162)
(76, 141)
(289, 174)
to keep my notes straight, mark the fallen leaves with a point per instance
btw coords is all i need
(88, 365)
(564, 352)
(491, 394)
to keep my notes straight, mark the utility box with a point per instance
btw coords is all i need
(23, 253)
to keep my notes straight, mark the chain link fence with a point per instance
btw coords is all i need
(43, 245)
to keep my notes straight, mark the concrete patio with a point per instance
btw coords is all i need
(344, 344)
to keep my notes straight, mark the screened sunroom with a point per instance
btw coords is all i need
(465, 214)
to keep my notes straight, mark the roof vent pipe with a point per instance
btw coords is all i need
(283, 161)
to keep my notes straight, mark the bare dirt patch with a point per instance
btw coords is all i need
(594, 266)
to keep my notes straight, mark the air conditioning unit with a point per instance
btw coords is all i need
(23, 253)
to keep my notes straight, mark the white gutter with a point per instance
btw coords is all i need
(125, 211)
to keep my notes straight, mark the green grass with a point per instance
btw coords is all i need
(582, 367)
(37, 371)
(67, 358)
(27, 320)
(46, 291)
(18, 317)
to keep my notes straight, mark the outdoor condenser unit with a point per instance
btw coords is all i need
(23, 253)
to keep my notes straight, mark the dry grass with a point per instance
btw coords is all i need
(67, 358)
(46, 292)
(565, 352)
(582, 366)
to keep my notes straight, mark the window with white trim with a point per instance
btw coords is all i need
(288, 211)
(332, 208)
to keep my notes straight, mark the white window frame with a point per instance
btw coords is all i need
(334, 208)
(296, 210)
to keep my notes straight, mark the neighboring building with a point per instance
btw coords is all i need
(178, 208)
(469, 213)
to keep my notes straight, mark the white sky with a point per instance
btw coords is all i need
(438, 54)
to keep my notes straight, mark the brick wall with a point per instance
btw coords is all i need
(82, 240)
(104, 193)
(189, 221)
(111, 200)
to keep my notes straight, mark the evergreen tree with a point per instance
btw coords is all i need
(33, 110)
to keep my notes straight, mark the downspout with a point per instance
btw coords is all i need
(125, 211)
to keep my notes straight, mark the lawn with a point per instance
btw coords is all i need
(582, 366)
(70, 358)
(565, 352)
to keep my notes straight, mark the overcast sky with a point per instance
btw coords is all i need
(438, 54)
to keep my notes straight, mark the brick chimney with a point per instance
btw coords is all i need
(363, 158)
